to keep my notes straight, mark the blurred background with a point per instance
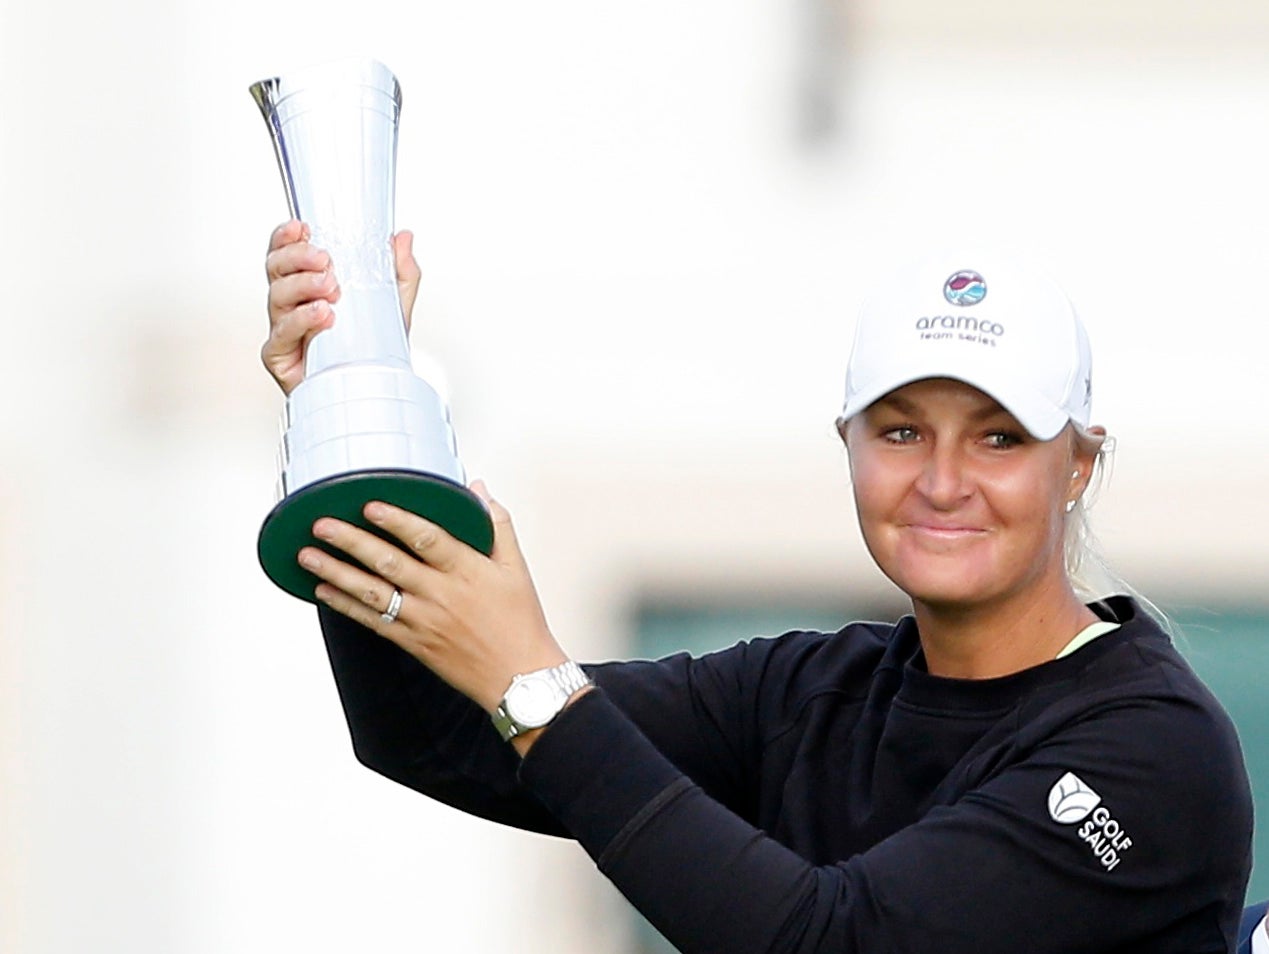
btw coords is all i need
(645, 231)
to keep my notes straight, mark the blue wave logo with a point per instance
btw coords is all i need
(965, 288)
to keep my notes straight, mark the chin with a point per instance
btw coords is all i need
(947, 597)
(952, 582)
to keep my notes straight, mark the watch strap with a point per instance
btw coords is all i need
(570, 677)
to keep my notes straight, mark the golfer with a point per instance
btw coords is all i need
(1018, 765)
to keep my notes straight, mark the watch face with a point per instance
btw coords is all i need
(533, 701)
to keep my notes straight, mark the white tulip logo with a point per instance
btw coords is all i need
(1071, 800)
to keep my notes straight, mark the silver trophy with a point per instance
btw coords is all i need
(362, 425)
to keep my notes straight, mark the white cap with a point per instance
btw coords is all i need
(1008, 331)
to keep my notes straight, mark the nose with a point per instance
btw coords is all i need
(944, 480)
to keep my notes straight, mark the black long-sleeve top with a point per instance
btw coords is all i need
(823, 792)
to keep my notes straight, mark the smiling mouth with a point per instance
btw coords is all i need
(944, 533)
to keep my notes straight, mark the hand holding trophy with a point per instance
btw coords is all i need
(361, 425)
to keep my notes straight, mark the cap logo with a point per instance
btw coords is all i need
(965, 288)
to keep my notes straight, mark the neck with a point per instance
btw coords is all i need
(985, 641)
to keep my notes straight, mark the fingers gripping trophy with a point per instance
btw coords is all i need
(361, 425)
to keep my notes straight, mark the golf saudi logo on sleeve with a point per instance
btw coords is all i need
(1071, 800)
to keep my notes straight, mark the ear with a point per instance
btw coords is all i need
(1084, 450)
(843, 427)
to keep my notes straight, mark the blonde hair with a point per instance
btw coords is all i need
(1087, 568)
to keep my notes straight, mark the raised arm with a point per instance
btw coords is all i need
(406, 722)
(410, 726)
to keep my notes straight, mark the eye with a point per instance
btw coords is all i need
(900, 435)
(1002, 440)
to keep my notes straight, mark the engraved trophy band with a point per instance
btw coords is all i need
(362, 425)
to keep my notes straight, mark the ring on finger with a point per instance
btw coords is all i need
(394, 607)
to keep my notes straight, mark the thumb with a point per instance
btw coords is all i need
(506, 548)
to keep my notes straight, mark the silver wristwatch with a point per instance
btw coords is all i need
(535, 698)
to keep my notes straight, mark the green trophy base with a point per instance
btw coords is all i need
(289, 526)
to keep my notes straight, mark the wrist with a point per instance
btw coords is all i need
(536, 698)
(523, 742)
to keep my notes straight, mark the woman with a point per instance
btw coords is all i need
(1008, 768)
